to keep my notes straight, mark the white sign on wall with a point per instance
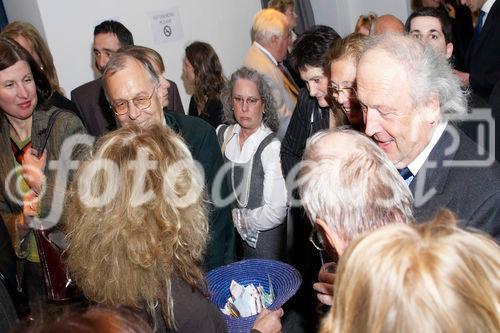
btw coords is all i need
(166, 26)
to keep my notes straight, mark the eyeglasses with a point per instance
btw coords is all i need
(121, 107)
(335, 91)
(251, 101)
(316, 239)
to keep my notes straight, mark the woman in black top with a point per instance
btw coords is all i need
(204, 80)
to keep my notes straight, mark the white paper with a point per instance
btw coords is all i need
(166, 25)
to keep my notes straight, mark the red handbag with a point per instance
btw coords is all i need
(58, 284)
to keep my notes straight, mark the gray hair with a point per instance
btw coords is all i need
(119, 61)
(270, 116)
(268, 23)
(428, 72)
(352, 185)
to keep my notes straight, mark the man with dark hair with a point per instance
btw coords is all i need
(432, 26)
(89, 98)
(312, 114)
(109, 36)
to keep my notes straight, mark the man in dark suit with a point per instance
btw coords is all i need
(483, 55)
(89, 98)
(135, 94)
(407, 94)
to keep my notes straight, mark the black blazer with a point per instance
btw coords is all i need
(472, 193)
(93, 108)
(483, 56)
(301, 127)
(212, 112)
(95, 113)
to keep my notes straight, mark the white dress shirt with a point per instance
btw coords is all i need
(273, 212)
(417, 163)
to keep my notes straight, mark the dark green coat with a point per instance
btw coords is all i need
(202, 142)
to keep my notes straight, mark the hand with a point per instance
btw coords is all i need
(269, 321)
(30, 204)
(324, 287)
(463, 77)
(32, 170)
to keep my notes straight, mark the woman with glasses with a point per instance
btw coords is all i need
(253, 169)
(203, 78)
(32, 134)
(341, 68)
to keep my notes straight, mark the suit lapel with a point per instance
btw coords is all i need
(433, 176)
(487, 27)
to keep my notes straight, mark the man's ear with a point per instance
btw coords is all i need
(449, 50)
(431, 110)
(274, 40)
(333, 242)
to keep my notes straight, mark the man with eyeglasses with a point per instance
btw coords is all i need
(134, 92)
(89, 98)
(348, 187)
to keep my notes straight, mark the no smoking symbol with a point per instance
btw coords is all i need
(167, 31)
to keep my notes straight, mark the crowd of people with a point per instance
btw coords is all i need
(349, 158)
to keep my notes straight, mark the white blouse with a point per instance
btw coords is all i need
(273, 212)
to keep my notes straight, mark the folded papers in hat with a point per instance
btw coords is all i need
(283, 278)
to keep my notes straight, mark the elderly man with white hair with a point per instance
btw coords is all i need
(348, 187)
(271, 38)
(407, 92)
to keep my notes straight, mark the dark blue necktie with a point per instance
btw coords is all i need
(477, 30)
(405, 173)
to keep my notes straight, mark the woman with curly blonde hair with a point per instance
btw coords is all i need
(137, 229)
(427, 278)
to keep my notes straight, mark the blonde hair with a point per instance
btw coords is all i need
(33, 37)
(349, 47)
(425, 278)
(365, 21)
(125, 252)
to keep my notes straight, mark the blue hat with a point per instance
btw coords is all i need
(285, 279)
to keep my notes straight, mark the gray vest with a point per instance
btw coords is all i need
(246, 180)
(246, 183)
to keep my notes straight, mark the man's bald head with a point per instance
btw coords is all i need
(387, 23)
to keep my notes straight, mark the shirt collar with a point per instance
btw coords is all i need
(417, 163)
(487, 6)
(266, 52)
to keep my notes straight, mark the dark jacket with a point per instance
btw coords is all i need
(95, 113)
(448, 179)
(301, 127)
(483, 56)
(202, 142)
(212, 112)
(66, 124)
(193, 312)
